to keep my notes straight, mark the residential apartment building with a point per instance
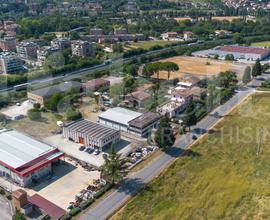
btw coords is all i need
(81, 48)
(10, 63)
(61, 43)
(27, 50)
(8, 44)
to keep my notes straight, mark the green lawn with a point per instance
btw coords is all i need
(147, 44)
(262, 44)
(221, 177)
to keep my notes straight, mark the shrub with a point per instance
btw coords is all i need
(103, 190)
(8, 196)
(87, 203)
(66, 217)
(2, 192)
(34, 114)
(75, 211)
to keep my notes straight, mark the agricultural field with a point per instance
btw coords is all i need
(147, 44)
(219, 18)
(225, 175)
(261, 44)
(203, 67)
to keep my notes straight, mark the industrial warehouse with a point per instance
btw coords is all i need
(91, 134)
(240, 52)
(23, 159)
(130, 121)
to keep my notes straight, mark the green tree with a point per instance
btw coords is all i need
(129, 84)
(53, 101)
(72, 114)
(18, 216)
(247, 75)
(131, 69)
(169, 67)
(227, 79)
(190, 118)
(114, 167)
(229, 57)
(257, 69)
(118, 48)
(34, 114)
(164, 137)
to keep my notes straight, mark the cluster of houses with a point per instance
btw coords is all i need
(187, 88)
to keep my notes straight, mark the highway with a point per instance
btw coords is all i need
(41, 82)
(134, 182)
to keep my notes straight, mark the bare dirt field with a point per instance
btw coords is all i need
(220, 18)
(200, 67)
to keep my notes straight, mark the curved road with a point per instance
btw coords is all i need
(134, 182)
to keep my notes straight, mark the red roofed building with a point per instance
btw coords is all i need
(241, 52)
(23, 159)
(47, 207)
(96, 84)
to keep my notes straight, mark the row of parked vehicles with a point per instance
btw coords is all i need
(89, 150)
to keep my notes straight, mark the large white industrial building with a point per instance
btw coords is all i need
(129, 121)
(91, 134)
(241, 52)
(23, 159)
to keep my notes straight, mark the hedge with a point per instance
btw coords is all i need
(103, 190)
(87, 203)
(74, 211)
(66, 217)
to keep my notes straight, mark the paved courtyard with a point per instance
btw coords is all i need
(5, 207)
(67, 182)
(14, 111)
(72, 149)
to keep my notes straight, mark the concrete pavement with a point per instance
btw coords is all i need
(134, 182)
(6, 210)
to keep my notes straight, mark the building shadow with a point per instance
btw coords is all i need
(131, 186)
(59, 170)
(118, 146)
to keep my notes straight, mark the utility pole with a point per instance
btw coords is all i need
(259, 142)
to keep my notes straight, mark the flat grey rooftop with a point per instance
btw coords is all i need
(17, 149)
(120, 115)
(93, 129)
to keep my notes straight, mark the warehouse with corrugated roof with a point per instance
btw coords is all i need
(91, 134)
(23, 159)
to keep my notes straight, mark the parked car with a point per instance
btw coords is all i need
(194, 137)
(81, 148)
(96, 152)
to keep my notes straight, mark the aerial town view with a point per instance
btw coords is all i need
(134, 109)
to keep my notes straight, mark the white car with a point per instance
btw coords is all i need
(96, 151)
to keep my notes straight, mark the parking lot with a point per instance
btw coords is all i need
(17, 111)
(72, 149)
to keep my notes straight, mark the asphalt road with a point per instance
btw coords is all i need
(5, 209)
(76, 73)
(134, 182)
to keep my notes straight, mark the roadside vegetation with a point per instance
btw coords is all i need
(223, 176)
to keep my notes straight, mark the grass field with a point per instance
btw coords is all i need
(146, 44)
(220, 178)
(186, 66)
(262, 44)
(39, 129)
